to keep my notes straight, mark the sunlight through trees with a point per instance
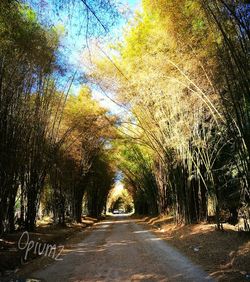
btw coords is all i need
(181, 74)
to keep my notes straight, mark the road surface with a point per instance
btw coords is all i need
(120, 249)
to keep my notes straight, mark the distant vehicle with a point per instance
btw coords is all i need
(115, 212)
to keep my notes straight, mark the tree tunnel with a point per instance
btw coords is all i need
(120, 200)
(121, 197)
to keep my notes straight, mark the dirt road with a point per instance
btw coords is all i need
(120, 249)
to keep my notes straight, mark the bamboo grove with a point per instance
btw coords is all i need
(180, 74)
(49, 138)
(182, 69)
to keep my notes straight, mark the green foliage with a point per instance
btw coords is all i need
(182, 62)
(101, 177)
(183, 69)
(136, 163)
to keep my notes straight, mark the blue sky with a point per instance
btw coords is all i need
(73, 21)
(73, 43)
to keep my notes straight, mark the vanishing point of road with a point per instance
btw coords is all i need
(121, 249)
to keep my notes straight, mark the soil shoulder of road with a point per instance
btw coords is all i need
(12, 258)
(225, 255)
